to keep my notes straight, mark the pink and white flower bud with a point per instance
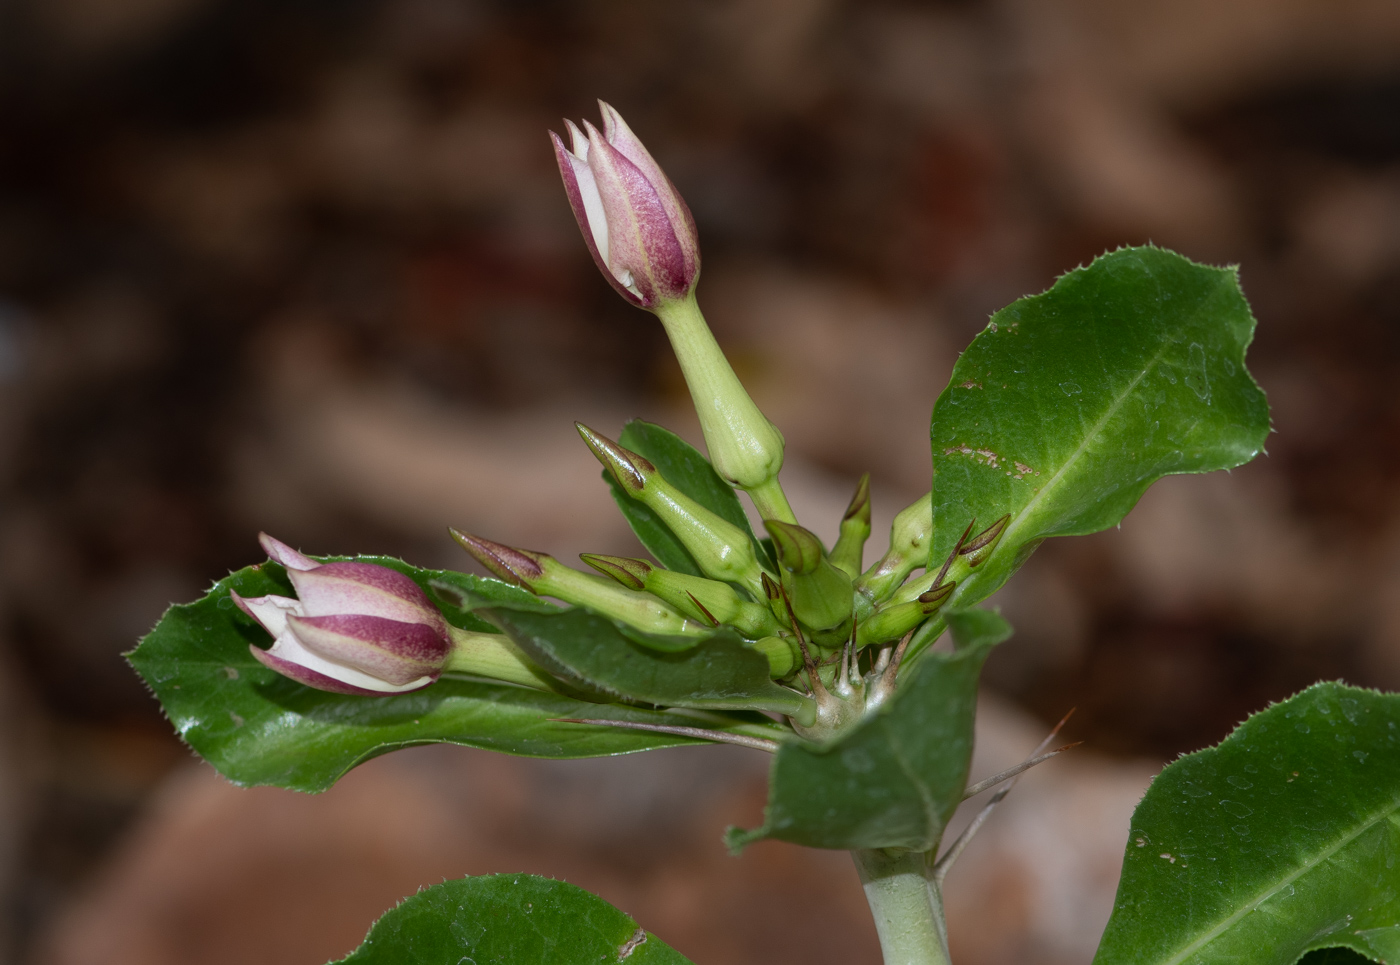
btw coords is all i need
(354, 628)
(636, 224)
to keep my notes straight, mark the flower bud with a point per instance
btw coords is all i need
(629, 572)
(896, 619)
(855, 530)
(782, 653)
(542, 574)
(820, 594)
(707, 601)
(636, 225)
(642, 236)
(976, 550)
(354, 628)
(909, 542)
(722, 550)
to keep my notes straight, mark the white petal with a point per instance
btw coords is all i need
(289, 648)
(579, 139)
(592, 205)
(271, 612)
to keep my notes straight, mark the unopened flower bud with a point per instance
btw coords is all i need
(354, 628)
(782, 653)
(631, 573)
(819, 593)
(636, 225)
(894, 620)
(909, 545)
(642, 236)
(722, 550)
(707, 601)
(542, 574)
(847, 554)
(976, 550)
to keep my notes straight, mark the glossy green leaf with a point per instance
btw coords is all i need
(683, 466)
(509, 920)
(1072, 402)
(715, 673)
(895, 778)
(257, 727)
(1283, 839)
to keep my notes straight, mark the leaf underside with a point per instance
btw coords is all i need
(1072, 402)
(1282, 840)
(893, 780)
(258, 727)
(715, 673)
(509, 920)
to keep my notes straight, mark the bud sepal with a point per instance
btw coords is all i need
(818, 593)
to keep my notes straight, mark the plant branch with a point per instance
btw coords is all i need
(907, 905)
(701, 733)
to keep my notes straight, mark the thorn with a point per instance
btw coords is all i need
(818, 690)
(948, 563)
(941, 866)
(708, 615)
(883, 660)
(892, 670)
(701, 733)
(1011, 772)
(979, 547)
(853, 670)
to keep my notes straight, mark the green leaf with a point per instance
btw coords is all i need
(894, 779)
(1072, 402)
(509, 920)
(684, 467)
(1283, 839)
(714, 673)
(257, 727)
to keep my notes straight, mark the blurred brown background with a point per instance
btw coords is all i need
(305, 266)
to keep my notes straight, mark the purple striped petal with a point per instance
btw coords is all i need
(641, 238)
(576, 183)
(320, 681)
(620, 136)
(366, 589)
(307, 676)
(397, 653)
(284, 554)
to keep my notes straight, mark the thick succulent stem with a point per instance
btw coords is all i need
(907, 905)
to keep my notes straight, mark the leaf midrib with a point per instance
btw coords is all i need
(1053, 481)
(1248, 906)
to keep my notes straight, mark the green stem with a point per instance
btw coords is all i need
(771, 501)
(907, 906)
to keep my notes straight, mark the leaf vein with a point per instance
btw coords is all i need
(1246, 907)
